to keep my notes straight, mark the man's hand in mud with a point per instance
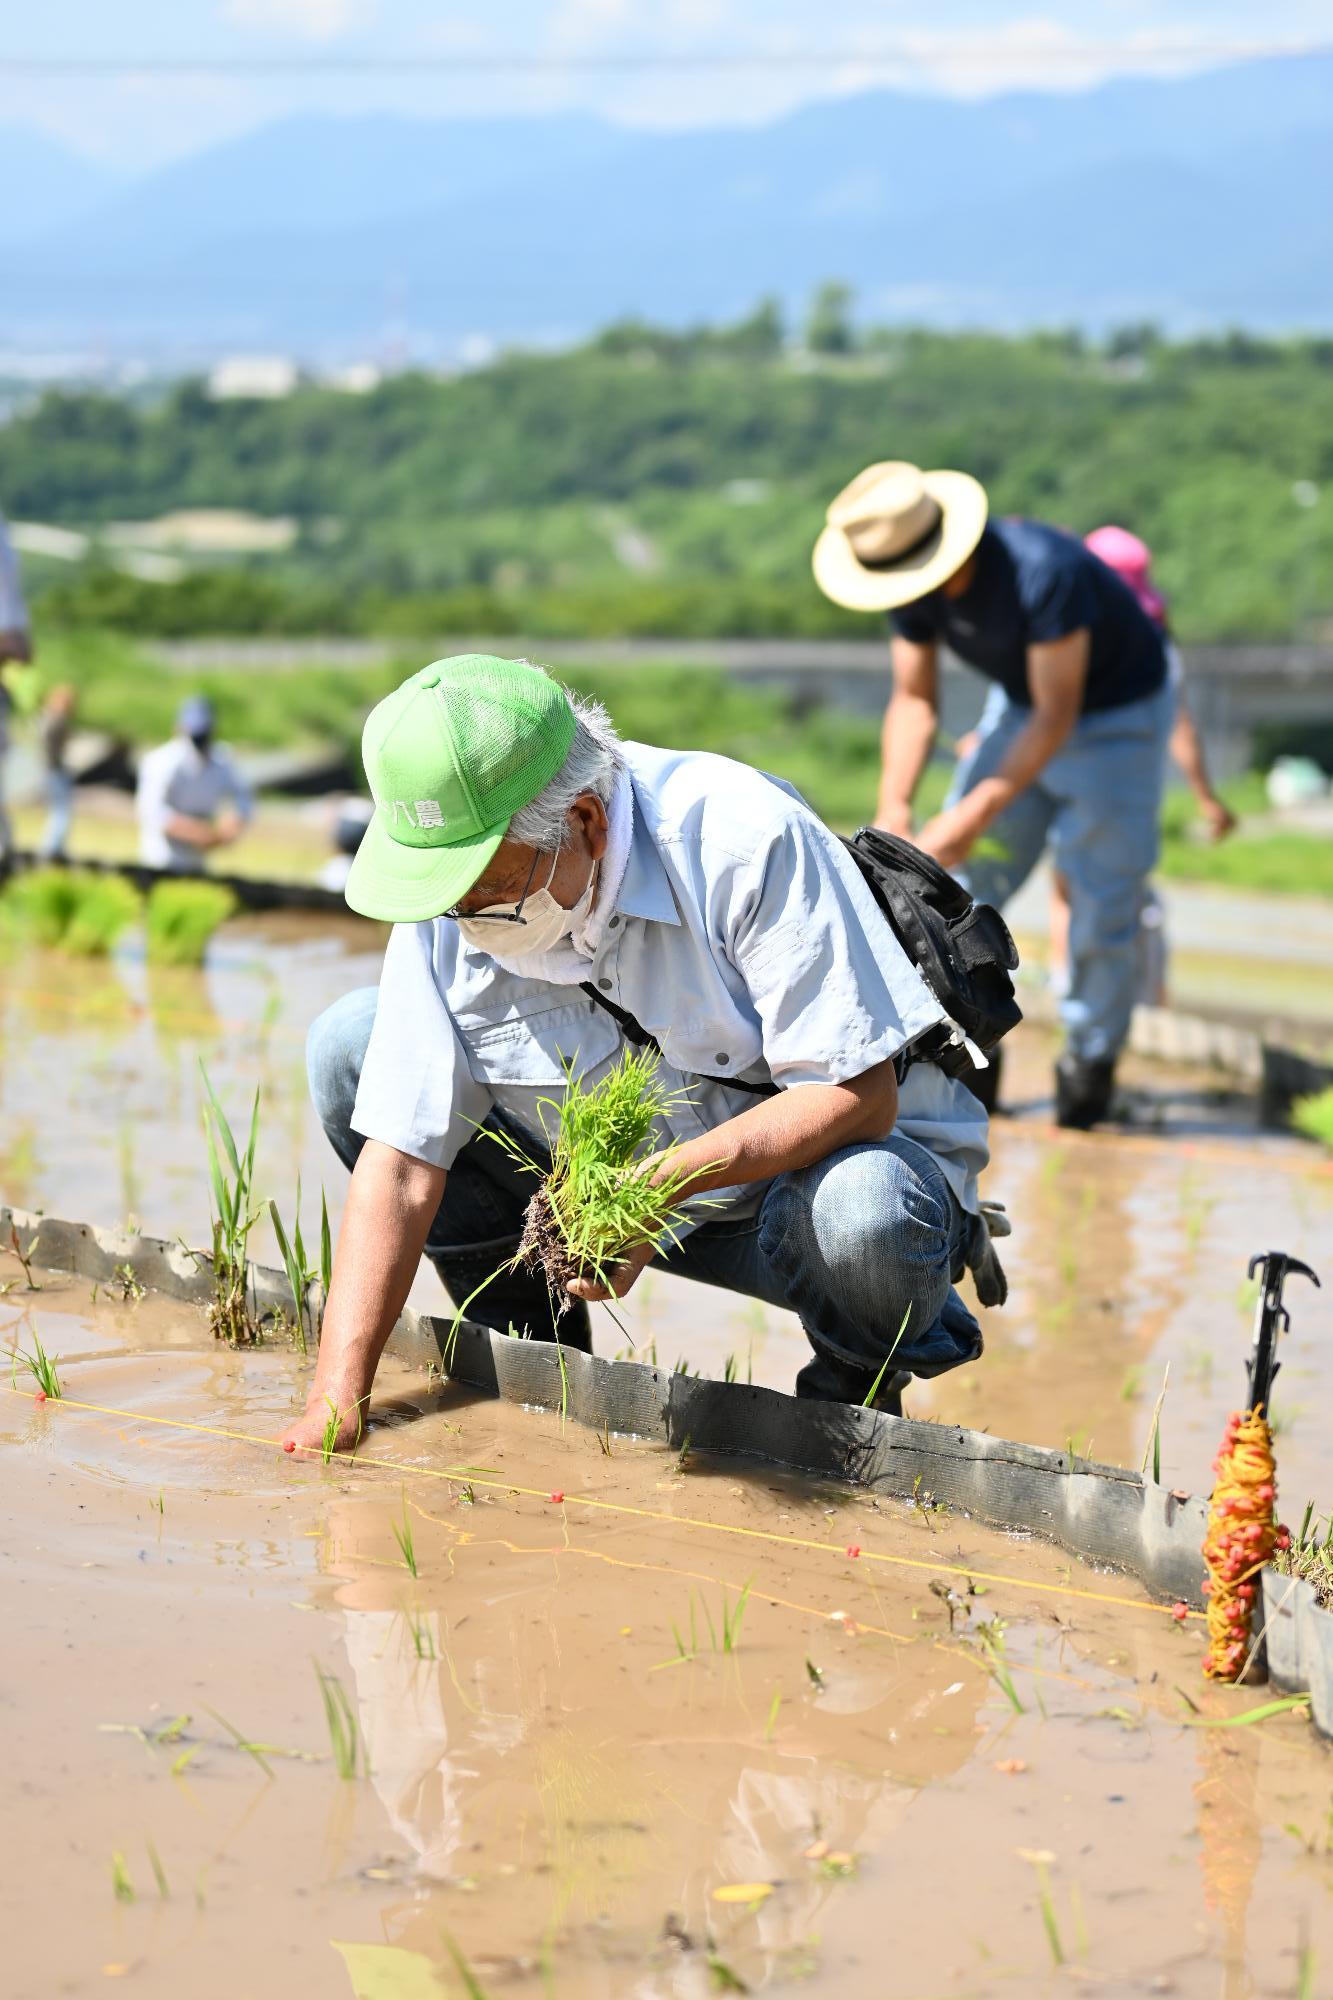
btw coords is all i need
(622, 1275)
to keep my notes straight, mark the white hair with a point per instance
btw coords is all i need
(594, 763)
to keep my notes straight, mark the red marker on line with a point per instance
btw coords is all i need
(289, 1444)
(40, 1397)
(557, 1497)
(853, 1549)
(1180, 1612)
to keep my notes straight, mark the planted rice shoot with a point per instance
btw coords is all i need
(121, 1886)
(299, 1276)
(181, 917)
(42, 1367)
(231, 1174)
(159, 1872)
(71, 910)
(402, 1534)
(874, 1389)
(345, 1738)
(254, 1750)
(601, 1196)
(1153, 1449)
(328, 1444)
(991, 1637)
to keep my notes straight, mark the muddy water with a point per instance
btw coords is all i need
(572, 1782)
(1129, 1250)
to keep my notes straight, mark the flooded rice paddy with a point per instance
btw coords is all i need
(635, 1727)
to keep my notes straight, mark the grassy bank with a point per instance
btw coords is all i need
(832, 757)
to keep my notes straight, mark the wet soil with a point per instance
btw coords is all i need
(572, 1782)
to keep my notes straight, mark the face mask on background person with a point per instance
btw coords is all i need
(543, 925)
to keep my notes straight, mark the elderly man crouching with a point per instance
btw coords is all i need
(523, 853)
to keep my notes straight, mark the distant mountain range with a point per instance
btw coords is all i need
(1199, 201)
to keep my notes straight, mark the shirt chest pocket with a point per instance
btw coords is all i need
(532, 1055)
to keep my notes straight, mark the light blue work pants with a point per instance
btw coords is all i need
(1097, 806)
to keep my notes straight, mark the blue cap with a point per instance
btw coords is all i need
(195, 716)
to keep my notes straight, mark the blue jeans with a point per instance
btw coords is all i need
(1097, 804)
(867, 1237)
(59, 815)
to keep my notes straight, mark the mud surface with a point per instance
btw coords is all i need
(1129, 1249)
(572, 1781)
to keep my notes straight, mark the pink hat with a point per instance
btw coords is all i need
(1131, 560)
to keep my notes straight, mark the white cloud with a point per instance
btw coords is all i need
(312, 20)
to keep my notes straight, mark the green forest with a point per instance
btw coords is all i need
(652, 483)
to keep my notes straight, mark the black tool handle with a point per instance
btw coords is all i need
(1271, 1319)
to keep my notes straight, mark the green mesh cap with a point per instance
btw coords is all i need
(451, 756)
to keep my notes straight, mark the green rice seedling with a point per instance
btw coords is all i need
(814, 1674)
(42, 1367)
(721, 1977)
(299, 1276)
(121, 1886)
(127, 1285)
(328, 1444)
(159, 1872)
(991, 1637)
(1313, 1116)
(770, 1727)
(423, 1639)
(683, 1456)
(732, 1616)
(1153, 1448)
(236, 1212)
(729, 1369)
(402, 1534)
(325, 1252)
(345, 1738)
(1305, 1971)
(1046, 1903)
(254, 1750)
(603, 1437)
(601, 1195)
(71, 910)
(874, 1388)
(182, 917)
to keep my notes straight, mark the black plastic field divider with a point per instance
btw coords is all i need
(250, 892)
(1102, 1514)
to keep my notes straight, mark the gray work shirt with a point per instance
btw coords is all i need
(743, 938)
(178, 777)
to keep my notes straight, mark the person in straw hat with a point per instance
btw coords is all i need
(1071, 749)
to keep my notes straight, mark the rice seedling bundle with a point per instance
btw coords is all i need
(182, 917)
(68, 910)
(604, 1191)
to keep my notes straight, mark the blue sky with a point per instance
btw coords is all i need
(131, 121)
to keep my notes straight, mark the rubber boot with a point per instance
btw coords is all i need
(1082, 1092)
(824, 1380)
(520, 1299)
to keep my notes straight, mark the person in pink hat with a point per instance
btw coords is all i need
(1131, 559)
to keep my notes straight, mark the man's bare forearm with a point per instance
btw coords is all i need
(906, 742)
(795, 1129)
(391, 1204)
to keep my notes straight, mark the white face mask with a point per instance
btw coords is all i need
(543, 925)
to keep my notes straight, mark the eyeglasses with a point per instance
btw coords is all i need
(514, 916)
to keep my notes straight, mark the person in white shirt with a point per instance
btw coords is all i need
(191, 797)
(15, 645)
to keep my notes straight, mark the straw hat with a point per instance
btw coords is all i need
(897, 533)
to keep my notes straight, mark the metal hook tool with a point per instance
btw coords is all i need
(1271, 1319)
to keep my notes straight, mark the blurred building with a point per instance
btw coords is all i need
(266, 377)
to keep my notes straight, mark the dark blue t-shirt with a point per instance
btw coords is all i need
(1034, 584)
